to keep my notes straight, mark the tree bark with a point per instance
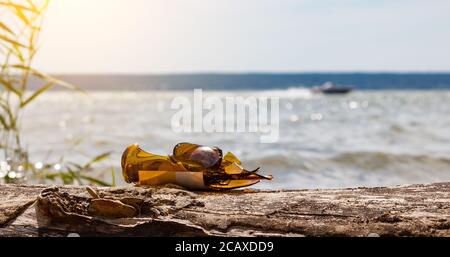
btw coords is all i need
(415, 210)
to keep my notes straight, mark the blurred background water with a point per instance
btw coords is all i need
(376, 137)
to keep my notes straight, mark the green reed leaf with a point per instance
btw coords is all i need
(3, 122)
(45, 77)
(12, 41)
(33, 6)
(16, 6)
(77, 166)
(98, 158)
(10, 87)
(16, 51)
(66, 178)
(8, 50)
(43, 6)
(36, 94)
(75, 175)
(51, 176)
(113, 177)
(12, 118)
(6, 28)
(21, 15)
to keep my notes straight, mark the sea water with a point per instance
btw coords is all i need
(366, 138)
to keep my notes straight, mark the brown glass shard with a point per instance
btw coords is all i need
(191, 165)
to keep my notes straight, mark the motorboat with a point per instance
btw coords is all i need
(331, 88)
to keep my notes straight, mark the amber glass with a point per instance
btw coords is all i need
(196, 157)
(190, 165)
(134, 159)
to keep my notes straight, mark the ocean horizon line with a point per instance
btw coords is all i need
(244, 73)
(255, 81)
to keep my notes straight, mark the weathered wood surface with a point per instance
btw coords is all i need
(416, 210)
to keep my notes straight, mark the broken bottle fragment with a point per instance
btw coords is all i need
(193, 166)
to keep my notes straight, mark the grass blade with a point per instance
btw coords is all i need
(45, 77)
(10, 87)
(76, 166)
(22, 16)
(98, 158)
(36, 94)
(5, 28)
(16, 51)
(3, 122)
(16, 6)
(12, 41)
(11, 116)
(33, 6)
(113, 177)
(75, 176)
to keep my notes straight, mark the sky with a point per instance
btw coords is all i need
(185, 36)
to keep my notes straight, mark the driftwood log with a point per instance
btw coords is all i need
(415, 210)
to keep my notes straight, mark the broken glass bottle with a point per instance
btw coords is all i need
(191, 165)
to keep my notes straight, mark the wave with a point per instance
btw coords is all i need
(377, 160)
(292, 93)
(366, 161)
